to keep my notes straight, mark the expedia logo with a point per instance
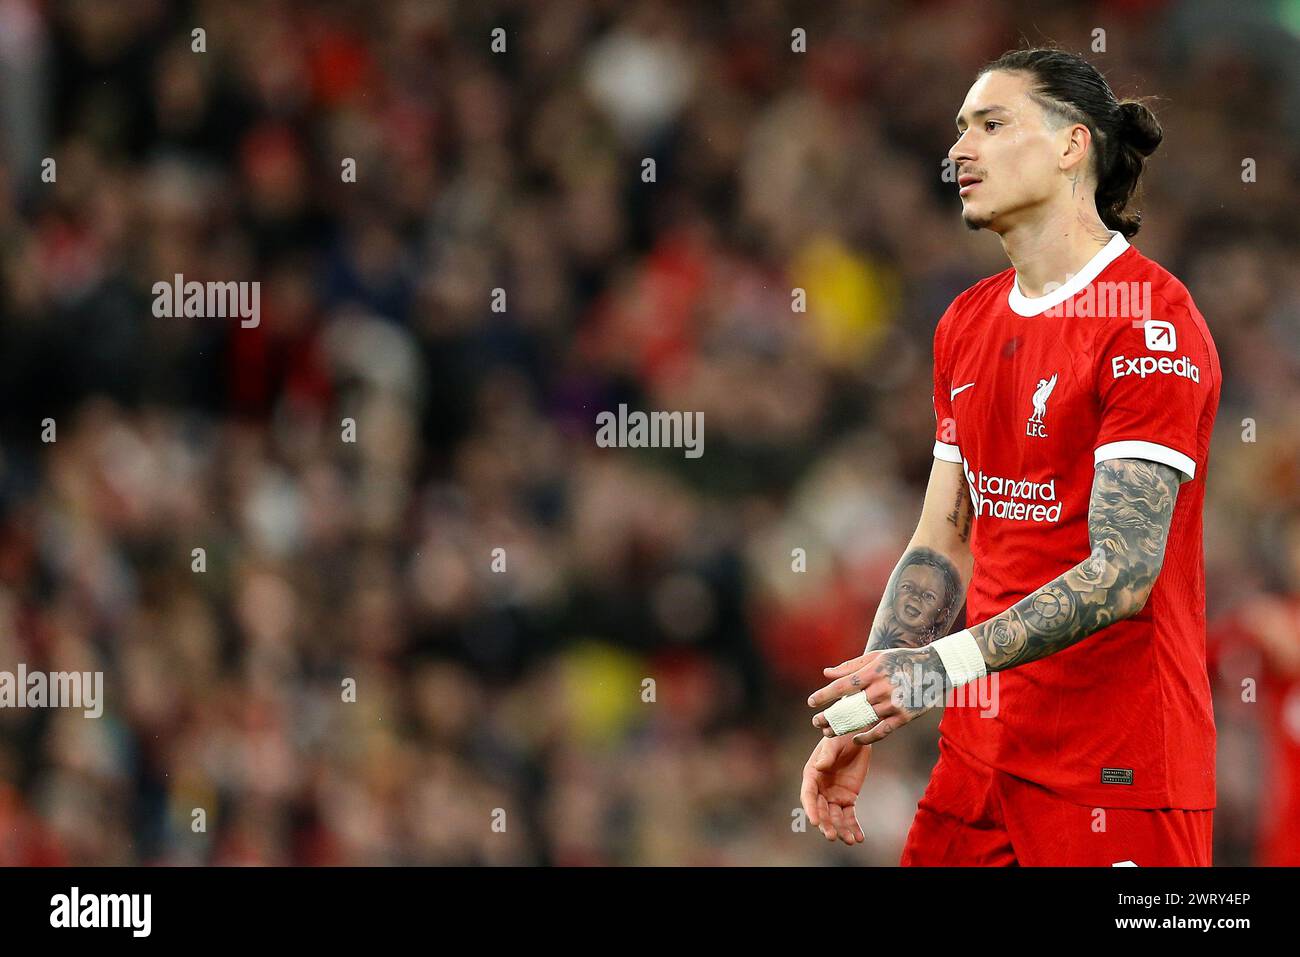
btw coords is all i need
(1144, 366)
(1019, 500)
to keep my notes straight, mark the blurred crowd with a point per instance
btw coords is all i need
(559, 653)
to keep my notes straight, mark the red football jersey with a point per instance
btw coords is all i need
(1030, 394)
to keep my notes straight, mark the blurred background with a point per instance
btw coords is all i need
(518, 695)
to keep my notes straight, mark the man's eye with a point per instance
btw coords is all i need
(990, 123)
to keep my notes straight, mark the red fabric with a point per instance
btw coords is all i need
(972, 815)
(1135, 696)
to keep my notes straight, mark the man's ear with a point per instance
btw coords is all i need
(1075, 148)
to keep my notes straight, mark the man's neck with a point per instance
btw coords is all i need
(1053, 248)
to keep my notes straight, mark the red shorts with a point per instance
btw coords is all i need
(972, 815)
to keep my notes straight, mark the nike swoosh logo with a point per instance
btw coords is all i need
(961, 388)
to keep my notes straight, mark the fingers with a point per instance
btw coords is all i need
(881, 730)
(846, 827)
(836, 690)
(845, 667)
(808, 798)
(824, 811)
(837, 820)
(854, 829)
(829, 806)
(846, 822)
(882, 706)
(824, 760)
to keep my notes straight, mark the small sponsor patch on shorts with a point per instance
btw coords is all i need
(1116, 775)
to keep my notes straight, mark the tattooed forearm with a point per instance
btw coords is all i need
(922, 599)
(1129, 513)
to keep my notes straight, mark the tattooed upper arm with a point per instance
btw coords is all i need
(1129, 513)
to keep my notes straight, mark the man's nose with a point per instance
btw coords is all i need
(961, 151)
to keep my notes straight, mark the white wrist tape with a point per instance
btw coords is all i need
(851, 713)
(961, 657)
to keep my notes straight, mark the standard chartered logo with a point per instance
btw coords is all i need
(1018, 500)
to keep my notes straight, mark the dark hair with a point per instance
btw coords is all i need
(1125, 133)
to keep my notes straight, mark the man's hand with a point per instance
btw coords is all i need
(901, 684)
(831, 781)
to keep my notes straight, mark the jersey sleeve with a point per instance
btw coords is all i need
(1153, 380)
(946, 447)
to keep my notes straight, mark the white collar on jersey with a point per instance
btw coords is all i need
(1022, 305)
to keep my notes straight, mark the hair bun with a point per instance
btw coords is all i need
(1139, 127)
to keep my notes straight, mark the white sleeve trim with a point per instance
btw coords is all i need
(947, 453)
(1134, 449)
